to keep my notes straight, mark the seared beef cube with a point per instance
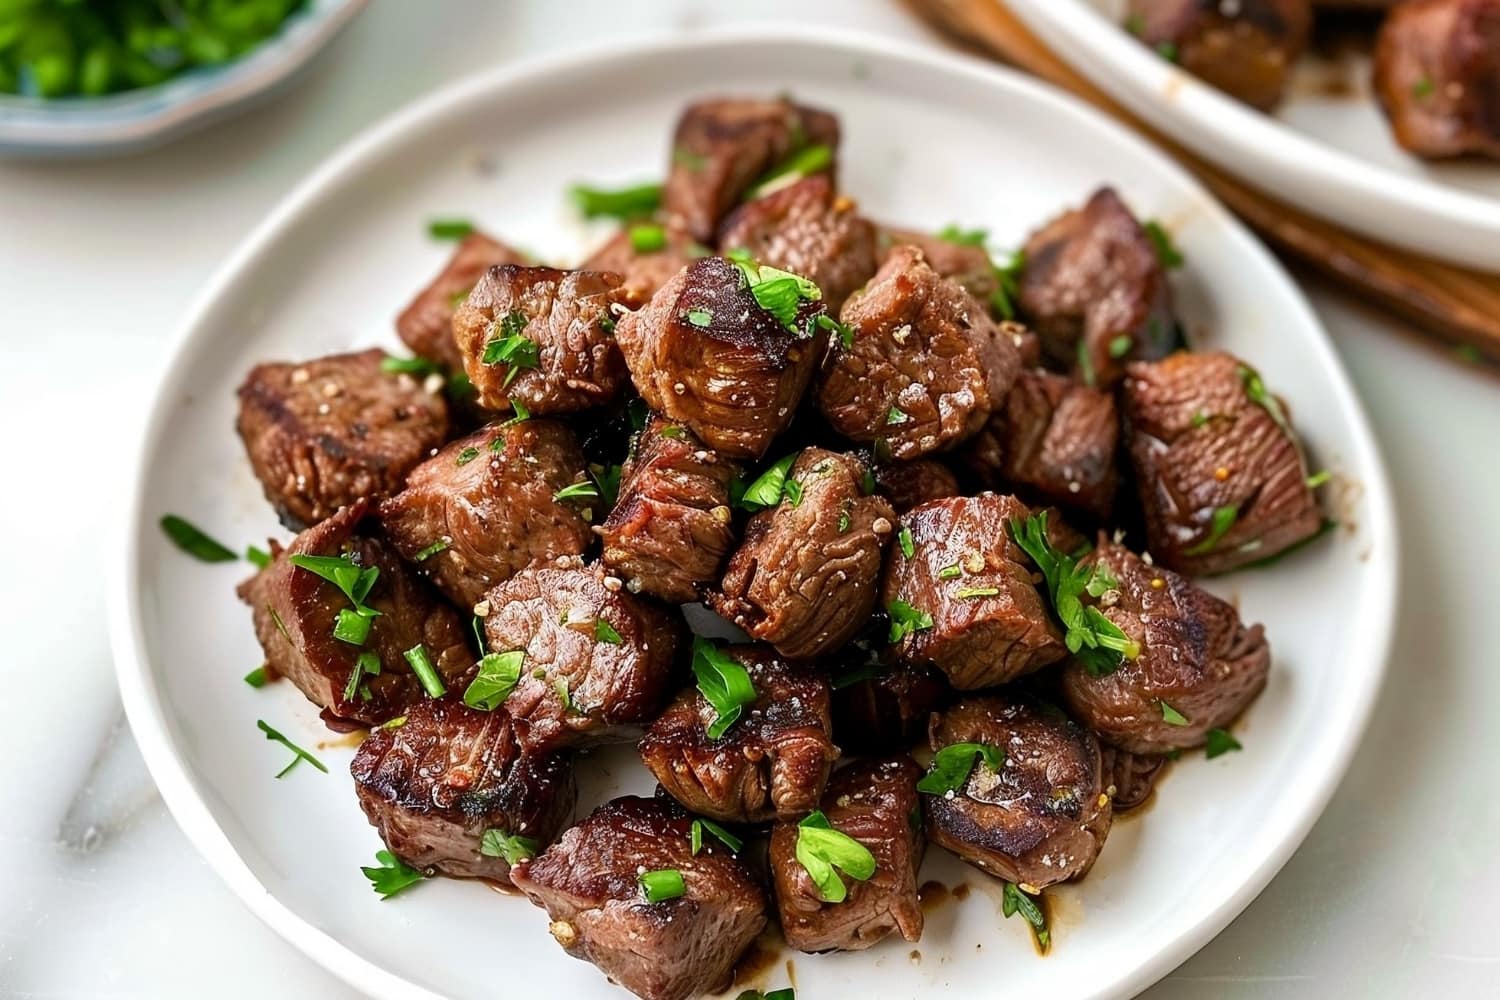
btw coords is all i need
(1130, 776)
(541, 337)
(1054, 440)
(1221, 476)
(324, 433)
(885, 707)
(771, 763)
(598, 663)
(671, 528)
(1245, 49)
(426, 325)
(966, 263)
(1095, 291)
(963, 600)
(723, 147)
(926, 364)
(876, 803)
(910, 484)
(296, 612)
(436, 782)
(1437, 74)
(590, 884)
(485, 507)
(806, 576)
(1043, 816)
(645, 271)
(1197, 669)
(808, 229)
(705, 353)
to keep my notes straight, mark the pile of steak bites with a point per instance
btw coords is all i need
(920, 486)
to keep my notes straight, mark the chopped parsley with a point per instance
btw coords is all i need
(857, 675)
(466, 456)
(951, 233)
(803, 163)
(952, 765)
(607, 477)
(410, 366)
(824, 852)
(499, 844)
(769, 487)
(257, 678)
(605, 632)
(257, 557)
(1166, 251)
(194, 542)
(673, 431)
(354, 581)
(1096, 642)
(905, 620)
(512, 349)
(1017, 900)
(449, 229)
(780, 293)
(788, 993)
(1220, 741)
(647, 237)
(421, 665)
(844, 332)
(1255, 389)
(627, 203)
(897, 416)
(724, 682)
(301, 754)
(729, 840)
(1171, 716)
(392, 876)
(1222, 519)
(1007, 284)
(660, 886)
(844, 521)
(498, 675)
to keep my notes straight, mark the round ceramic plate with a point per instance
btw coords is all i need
(1327, 149)
(930, 139)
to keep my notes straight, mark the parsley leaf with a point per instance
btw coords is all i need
(1220, 741)
(1171, 716)
(1166, 251)
(821, 849)
(499, 844)
(498, 675)
(257, 678)
(953, 764)
(844, 332)
(605, 632)
(341, 571)
(1098, 643)
(724, 682)
(780, 293)
(302, 754)
(392, 876)
(769, 487)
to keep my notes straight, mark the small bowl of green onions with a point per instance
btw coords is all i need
(90, 77)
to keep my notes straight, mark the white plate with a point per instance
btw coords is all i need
(1331, 156)
(136, 119)
(930, 139)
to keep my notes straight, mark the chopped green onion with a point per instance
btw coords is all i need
(908, 547)
(701, 318)
(440, 545)
(1423, 88)
(194, 542)
(952, 765)
(951, 233)
(803, 163)
(257, 557)
(769, 487)
(647, 237)
(257, 678)
(724, 683)
(1220, 742)
(352, 627)
(585, 490)
(605, 632)
(410, 366)
(906, 620)
(1222, 519)
(467, 455)
(498, 675)
(421, 665)
(952, 572)
(624, 203)
(521, 415)
(821, 849)
(897, 416)
(1166, 251)
(341, 571)
(368, 665)
(729, 840)
(967, 592)
(1015, 900)
(301, 754)
(1120, 346)
(1171, 716)
(449, 229)
(660, 886)
(844, 332)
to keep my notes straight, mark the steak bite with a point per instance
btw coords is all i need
(426, 325)
(437, 782)
(1245, 49)
(1043, 816)
(706, 354)
(1437, 75)
(722, 147)
(806, 577)
(1221, 475)
(598, 663)
(1095, 291)
(910, 484)
(884, 708)
(541, 337)
(876, 803)
(811, 230)
(590, 884)
(1055, 441)
(771, 763)
(296, 612)
(967, 263)
(671, 527)
(1130, 776)
(630, 253)
(485, 507)
(963, 598)
(1198, 667)
(322, 434)
(926, 364)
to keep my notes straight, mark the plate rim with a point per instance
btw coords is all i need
(1244, 141)
(142, 697)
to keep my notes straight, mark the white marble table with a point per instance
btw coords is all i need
(1395, 894)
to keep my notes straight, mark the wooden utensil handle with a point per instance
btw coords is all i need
(1458, 305)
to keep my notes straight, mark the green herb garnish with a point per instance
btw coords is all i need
(647, 237)
(908, 547)
(729, 840)
(953, 764)
(1120, 346)
(194, 542)
(513, 350)
(701, 318)
(354, 581)
(952, 572)
(970, 592)
(951, 233)
(1166, 251)
(586, 490)
(392, 876)
(1220, 741)
(352, 627)
(421, 665)
(1093, 639)
(257, 678)
(1016, 900)
(1222, 519)
(520, 416)
(623, 203)
(257, 557)
(824, 852)
(498, 675)
(769, 487)
(1318, 479)
(1007, 284)
(605, 632)
(440, 545)
(780, 293)
(660, 886)
(843, 332)
(301, 754)
(466, 456)
(499, 844)
(409, 366)
(724, 682)
(803, 163)
(897, 416)
(1167, 50)
(905, 620)
(449, 229)
(1423, 88)
(368, 665)
(1171, 716)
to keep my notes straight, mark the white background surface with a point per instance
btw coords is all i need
(1396, 892)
